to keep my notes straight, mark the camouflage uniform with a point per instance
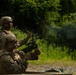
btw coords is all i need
(13, 61)
(3, 34)
(2, 39)
(5, 31)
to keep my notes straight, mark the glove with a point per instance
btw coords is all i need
(37, 51)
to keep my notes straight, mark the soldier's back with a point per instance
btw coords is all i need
(3, 35)
(2, 39)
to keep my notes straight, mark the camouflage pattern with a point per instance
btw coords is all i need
(13, 61)
(2, 39)
(3, 35)
(5, 19)
(6, 30)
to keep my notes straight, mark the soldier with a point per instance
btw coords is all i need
(6, 22)
(13, 61)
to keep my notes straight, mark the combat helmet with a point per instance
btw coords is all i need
(5, 19)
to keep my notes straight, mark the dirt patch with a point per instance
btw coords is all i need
(67, 68)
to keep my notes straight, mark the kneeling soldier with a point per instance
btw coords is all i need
(13, 61)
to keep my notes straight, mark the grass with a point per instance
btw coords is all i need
(49, 53)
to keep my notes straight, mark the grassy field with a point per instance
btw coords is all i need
(49, 54)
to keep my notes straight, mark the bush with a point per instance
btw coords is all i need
(67, 36)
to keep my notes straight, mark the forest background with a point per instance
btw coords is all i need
(52, 22)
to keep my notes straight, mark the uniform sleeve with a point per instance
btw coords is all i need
(32, 55)
(24, 41)
(10, 65)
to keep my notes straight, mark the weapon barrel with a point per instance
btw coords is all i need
(29, 48)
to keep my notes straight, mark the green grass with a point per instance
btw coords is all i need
(49, 54)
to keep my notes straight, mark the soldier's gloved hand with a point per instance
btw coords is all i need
(34, 56)
(37, 51)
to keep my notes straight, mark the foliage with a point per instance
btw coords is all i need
(48, 52)
(69, 18)
(62, 36)
(68, 6)
(51, 20)
(51, 34)
(33, 15)
(67, 34)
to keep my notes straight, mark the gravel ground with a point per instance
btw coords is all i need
(57, 66)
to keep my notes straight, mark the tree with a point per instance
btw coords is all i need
(4, 6)
(34, 15)
(67, 6)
